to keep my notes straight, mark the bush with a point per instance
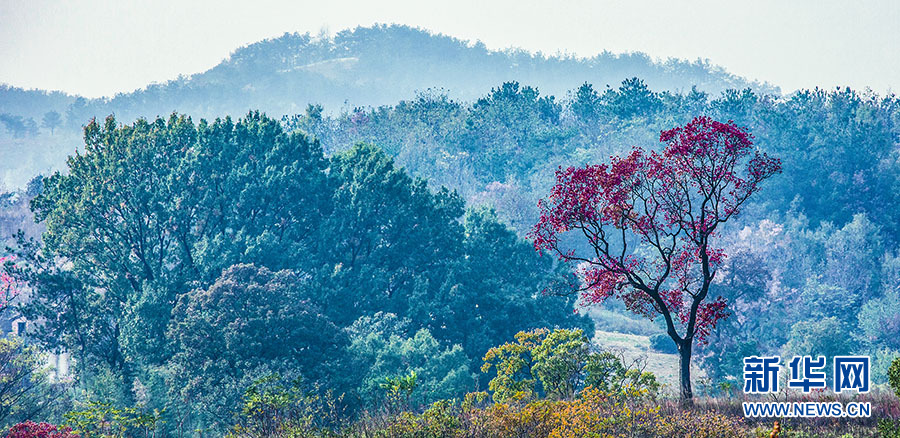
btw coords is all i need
(894, 376)
(532, 419)
(30, 429)
(105, 420)
(275, 406)
(699, 425)
(662, 343)
(441, 420)
(889, 428)
(594, 413)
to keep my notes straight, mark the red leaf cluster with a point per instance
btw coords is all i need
(30, 429)
(8, 287)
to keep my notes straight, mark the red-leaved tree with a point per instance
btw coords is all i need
(650, 220)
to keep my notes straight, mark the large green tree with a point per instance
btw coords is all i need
(250, 323)
(151, 210)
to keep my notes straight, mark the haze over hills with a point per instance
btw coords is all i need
(361, 67)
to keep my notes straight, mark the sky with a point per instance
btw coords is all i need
(100, 48)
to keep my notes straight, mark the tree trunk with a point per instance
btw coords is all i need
(684, 353)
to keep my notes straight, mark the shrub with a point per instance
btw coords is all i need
(595, 413)
(894, 376)
(532, 419)
(889, 428)
(699, 425)
(104, 420)
(440, 420)
(275, 407)
(399, 389)
(608, 373)
(30, 429)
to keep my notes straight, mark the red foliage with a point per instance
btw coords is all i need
(651, 218)
(8, 289)
(30, 429)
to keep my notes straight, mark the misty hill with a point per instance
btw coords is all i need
(360, 67)
(382, 64)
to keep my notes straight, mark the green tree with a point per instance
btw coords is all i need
(499, 277)
(586, 104)
(609, 373)
(51, 121)
(558, 364)
(511, 129)
(15, 125)
(248, 324)
(120, 220)
(821, 337)
(514, 378)
(879, 320)
(559, 360)
(263, 194)
(383, 346)
(26, 390)
(632, 99)
(153, 209)
(894, 376)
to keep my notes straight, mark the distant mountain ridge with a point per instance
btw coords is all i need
(374, 66)
(365, 66)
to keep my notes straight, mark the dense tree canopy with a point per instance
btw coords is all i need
(828, 216)
(199, 257)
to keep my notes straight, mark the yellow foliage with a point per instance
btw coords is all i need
(595, 414)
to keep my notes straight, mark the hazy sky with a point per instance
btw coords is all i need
(100, 48)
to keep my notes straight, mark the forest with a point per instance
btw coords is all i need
(389, 268)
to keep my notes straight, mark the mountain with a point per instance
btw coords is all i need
(366, 66)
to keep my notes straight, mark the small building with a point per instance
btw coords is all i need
(59, 363)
